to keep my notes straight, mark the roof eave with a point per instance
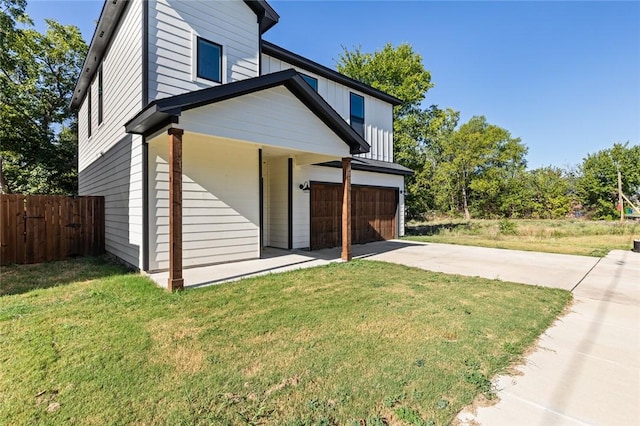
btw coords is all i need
(168, 110)
(109, 16)
(269, 17)
(355, 165)
(309, 65)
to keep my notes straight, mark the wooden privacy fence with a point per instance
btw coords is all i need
(42, 228)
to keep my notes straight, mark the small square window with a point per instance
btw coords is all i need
(209, 60)
(313, 82)
(356, 113)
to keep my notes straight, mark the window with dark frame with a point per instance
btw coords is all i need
(313, 82)
(209, 64)
(89, 112)
(356, 113)
(100, 106)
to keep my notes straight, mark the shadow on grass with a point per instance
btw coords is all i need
(428, 230)
(17, 279)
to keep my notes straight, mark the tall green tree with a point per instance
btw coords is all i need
(400, 72)
(543, 193)
(476, 162)
(38, 73)
(598, 181)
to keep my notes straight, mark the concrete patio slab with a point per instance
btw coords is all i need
(272, 261)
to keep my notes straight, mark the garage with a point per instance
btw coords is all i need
(373, 214)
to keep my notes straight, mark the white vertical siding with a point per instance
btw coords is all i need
(278, 203)
(172, 27)
(301, 199)
(220, 202)
(110, 161)
(378, 118)
(269, 117)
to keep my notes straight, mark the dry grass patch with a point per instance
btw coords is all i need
(579, 237)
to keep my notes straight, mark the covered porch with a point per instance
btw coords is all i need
(219, 174)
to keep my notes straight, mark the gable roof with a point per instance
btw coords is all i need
(162, 112)
(307, 64)
(112, 11)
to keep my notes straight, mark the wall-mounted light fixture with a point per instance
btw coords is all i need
(304, 186)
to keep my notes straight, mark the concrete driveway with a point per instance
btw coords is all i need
(586, 369)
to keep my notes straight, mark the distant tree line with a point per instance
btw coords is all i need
(471, 169)
(477, 168)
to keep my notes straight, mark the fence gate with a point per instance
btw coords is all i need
(42, 228)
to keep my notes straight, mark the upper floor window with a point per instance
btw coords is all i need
(89, 112)
(209, 60)
(100, 105)
(356, 113)
(313, 82)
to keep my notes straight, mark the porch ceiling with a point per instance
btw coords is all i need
(268, 152)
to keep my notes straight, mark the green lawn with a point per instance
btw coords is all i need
(350, 343)
(582, 237)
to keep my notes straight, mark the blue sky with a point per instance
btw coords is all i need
(562, 76)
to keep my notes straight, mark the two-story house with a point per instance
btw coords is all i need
(209, 143)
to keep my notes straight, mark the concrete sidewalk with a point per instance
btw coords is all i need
(586, 370)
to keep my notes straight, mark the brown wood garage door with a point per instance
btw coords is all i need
(373, 214)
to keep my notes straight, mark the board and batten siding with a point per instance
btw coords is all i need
(269, 117)
(378, 119)
(277, 180)
(110, 161)
(173, 26)
(220, 202)
(301, 199)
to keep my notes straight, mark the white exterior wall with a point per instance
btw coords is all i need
(278, 218)
(220, 193)
(110, 161)
(173, 26)
(302, 199)
(270, 117)
(378, 118)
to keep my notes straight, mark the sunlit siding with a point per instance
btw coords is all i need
(173, 26)
(378, 114)
(270, 117)
(220, 193)
(110, 161)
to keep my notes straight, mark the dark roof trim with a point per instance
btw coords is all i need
(307, 64)
(169, 109)
(110, 16)
(267, 17)
(108, 22)
(368, 165)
